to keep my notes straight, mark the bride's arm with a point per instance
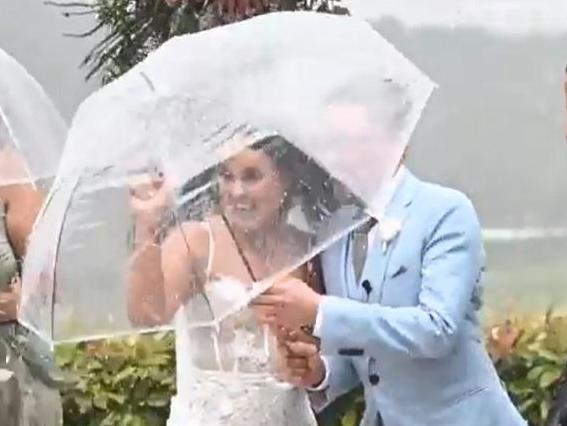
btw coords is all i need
(23, 200)
(150, 198)
(182, 273)
(162, 277)
(145, 290)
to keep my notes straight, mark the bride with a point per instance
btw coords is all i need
(226, 374)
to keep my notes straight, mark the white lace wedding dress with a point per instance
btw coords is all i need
(225, 374)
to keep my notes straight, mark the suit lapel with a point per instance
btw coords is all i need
(397, 210)
(337, 260)
(337, 268)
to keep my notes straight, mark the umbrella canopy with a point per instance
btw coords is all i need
(32, 132)
(233, 155)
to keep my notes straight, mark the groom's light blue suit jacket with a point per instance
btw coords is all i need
(409, 329)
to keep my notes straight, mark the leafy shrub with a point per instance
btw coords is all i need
(535, 365)
(119, 382)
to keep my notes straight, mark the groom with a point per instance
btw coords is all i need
(400, 316)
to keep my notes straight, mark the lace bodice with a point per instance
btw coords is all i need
(225, 374)
(237, 342)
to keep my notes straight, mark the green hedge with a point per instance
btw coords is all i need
(532, 370)
(129, 382)
(119, 383)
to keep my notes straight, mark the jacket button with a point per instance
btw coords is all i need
(351, 352)
(367, 286)
(374, 379)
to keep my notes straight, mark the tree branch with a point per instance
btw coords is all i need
(69, 4)
(90, 32)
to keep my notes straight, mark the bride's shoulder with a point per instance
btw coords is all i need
(190, 236)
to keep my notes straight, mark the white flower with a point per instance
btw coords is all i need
(388, 229)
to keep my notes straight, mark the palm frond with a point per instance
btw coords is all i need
(135, 27)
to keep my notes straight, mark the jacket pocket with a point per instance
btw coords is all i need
(397, 270)
(466, 395)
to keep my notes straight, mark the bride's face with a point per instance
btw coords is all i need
(251, 190)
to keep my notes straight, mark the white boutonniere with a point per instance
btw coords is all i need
(388, 230)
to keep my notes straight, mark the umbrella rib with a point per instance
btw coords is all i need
(56, 254)
(148, 81)
(180, 228)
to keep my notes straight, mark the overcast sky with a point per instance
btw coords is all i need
(33, 34)
(504, 16)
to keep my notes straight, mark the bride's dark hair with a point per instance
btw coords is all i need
(309, 186)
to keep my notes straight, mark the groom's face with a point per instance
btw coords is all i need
(355, 134)
(365, 150)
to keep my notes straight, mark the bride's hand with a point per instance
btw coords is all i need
(300, 363)
(150, 196)
(289, 303)
(9, 301)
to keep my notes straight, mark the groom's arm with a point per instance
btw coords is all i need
(451, 265)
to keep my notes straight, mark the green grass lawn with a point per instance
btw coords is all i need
(526, 276)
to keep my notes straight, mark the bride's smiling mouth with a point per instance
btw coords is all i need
(242, 210)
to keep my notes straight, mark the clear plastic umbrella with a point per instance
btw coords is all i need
(225, 160)
(32, 135)
(32, 132)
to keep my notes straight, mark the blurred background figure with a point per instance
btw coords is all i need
(32, 134)
(38, 399)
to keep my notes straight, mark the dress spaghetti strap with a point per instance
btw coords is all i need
(211, 255)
